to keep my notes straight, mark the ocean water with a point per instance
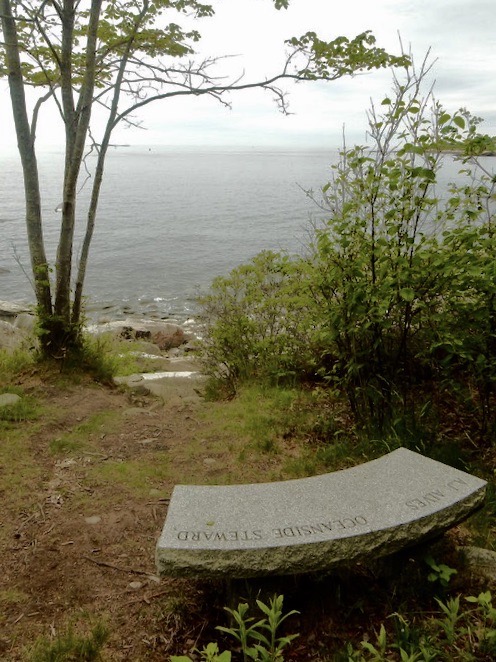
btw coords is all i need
(169, 221)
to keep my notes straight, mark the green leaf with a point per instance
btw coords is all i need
(459, 121)
(407, 294)
(252, 653)
(370, 648)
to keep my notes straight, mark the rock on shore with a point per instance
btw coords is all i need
(9, 311)
(17, 324)
(163, 334)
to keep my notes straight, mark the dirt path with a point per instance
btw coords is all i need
(79, 528)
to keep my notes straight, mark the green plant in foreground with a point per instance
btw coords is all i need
(208, 654)
(266, 645)
(258, 638)
(440, 572)
(454, 634)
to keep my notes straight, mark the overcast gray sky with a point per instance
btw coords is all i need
(460, 33)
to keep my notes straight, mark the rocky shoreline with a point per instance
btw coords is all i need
(17, 324)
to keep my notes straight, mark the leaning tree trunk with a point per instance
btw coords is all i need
(97, 182)
(25, 142)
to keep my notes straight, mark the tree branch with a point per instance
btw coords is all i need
(36, 111)
(221, 89)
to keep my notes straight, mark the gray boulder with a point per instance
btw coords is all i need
(479, 562)
(9, 311)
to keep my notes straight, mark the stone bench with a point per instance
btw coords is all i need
(312, 524)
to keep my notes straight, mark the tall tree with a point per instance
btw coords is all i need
(120, 55)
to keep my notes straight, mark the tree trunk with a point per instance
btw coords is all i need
(90, 226)
(27, 153)
(77, 121)
(97, 183)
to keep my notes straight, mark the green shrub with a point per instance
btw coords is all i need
(463, 334)
(258, 323)
(388, 264)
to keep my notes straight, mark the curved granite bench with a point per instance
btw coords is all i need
(314, 523)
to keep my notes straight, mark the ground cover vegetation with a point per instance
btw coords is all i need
(114, 58)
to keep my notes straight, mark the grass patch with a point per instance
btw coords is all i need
(67, 445)
(70, 645)
(283, 432)
(119, 356)
(19, 470)
(137, 475)
(12, 596)
(25, 409)
(14, 363)
(94, 358)
(129, 358)
(321, 458)
(82, 437)
(258, 414)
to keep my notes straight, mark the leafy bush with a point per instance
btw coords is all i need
(258, 322)
(463, 340)
(394, 262)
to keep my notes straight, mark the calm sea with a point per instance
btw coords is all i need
(170, 220)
